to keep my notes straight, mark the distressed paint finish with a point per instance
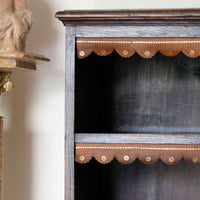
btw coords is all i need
(137, 31)
(147, 138)
(69, 117)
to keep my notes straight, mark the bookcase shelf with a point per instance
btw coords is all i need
(148, 138)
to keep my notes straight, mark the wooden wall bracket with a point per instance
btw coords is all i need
(15, 22)
(16, 61)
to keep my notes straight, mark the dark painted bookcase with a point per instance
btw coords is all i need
(132, 104)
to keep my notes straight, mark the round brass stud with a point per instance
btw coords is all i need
(103, 52)
(192, 52)
(147, 53)
(148, 159)
(171, 159)
(194, 159)
(82, 158)
(82, 53)
(170, 52)
(103, 158)
(126, 158)
(125, 52)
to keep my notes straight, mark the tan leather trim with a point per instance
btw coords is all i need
(146, 153)
(145, 47)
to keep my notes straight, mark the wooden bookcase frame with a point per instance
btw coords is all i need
(101, 24)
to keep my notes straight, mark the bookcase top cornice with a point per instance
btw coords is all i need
(134, 17)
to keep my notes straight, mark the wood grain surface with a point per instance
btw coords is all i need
(148, 138)
(141, 17)
(69, 114)
(137, 31)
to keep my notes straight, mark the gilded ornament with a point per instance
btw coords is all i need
(5, 83)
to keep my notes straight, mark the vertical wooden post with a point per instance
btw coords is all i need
(69, 113)
(1, 135)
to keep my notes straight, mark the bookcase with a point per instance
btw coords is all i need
(132, 104)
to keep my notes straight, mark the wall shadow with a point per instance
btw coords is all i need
(17, 154)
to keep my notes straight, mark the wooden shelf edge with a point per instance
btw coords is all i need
(102, 17)
(139, 138)
(20, 61)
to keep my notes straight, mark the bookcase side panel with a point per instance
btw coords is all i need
(69, 113)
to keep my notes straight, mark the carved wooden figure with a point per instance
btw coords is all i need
(15, 23)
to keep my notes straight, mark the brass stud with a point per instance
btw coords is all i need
(192, 52)
(82, 53)
(147, 53)
(82, 158)
(125, 52)
(194, 159)
(103, 52)
(103, 158)
(126, 158)
(171, 159)
(170, 52)
(148, 159)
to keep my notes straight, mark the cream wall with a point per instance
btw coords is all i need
(34, 110)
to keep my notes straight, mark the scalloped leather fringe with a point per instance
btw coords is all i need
(145, 47)
(146, 153)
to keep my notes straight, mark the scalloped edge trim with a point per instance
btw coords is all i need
(141, 54)
(128, 153)
(145, 47)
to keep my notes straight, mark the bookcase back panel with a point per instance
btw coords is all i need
(137, 181)
(137, 95)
